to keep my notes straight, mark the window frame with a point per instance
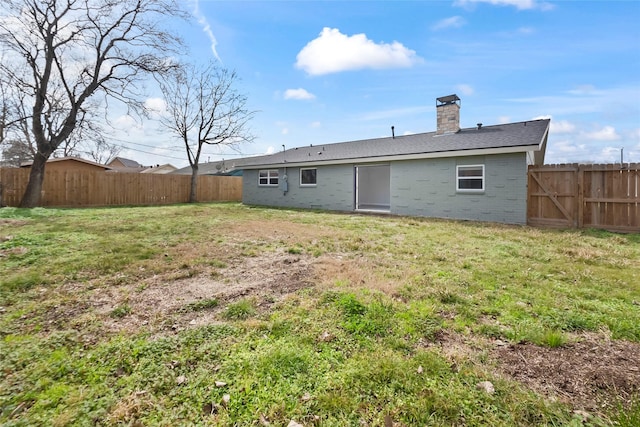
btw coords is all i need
(269, 178)
(315, 183)
(481, 178)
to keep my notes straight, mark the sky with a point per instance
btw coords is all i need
(318, 72)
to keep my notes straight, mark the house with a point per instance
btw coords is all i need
(120, 164)
(477, 173)
(160, 169)
(70, 163)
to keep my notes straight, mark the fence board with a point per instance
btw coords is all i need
(76, 188)
(595, 196)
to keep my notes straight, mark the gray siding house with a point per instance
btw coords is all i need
(477, 173)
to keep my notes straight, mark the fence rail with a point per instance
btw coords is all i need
(585, 196)
(76, 188)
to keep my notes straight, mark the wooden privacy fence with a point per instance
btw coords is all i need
(584, 196)
(96, 188)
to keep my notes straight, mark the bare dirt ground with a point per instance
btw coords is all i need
(163, 305)
(591, 373)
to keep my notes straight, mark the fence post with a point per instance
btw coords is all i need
(580, 196)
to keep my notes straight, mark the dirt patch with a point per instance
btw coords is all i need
(590, 374)
(284, 231)
(12, 222)
(160, 304)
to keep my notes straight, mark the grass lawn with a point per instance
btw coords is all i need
(222, 314)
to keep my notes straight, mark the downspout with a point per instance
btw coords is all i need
(285, 182)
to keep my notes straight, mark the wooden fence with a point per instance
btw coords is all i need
(584, 196)
(76, 188)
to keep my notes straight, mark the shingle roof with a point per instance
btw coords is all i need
(520, 136)
(127, 163)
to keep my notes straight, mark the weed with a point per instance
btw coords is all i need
(120, 311)
(553, 339)
(628, 416)
(203, 304)
(217, 264)
(240, 310)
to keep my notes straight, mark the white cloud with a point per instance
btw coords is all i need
(504, 119)
(315, 124)
(607, 133)
(127, 124)
(156, 106)
(558, 126)
(333, 52)
(465, 89)
(453, 22)
(562, 126)
(299, 93)
(569, 147)
(206, 28)
(519, 4)
(270, 150)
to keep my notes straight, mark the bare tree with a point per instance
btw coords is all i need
(15, 152)
(103, 152)
(15, 138)
(62, 53)
(203, 107)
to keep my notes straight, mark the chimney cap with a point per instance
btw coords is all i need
(445, 100)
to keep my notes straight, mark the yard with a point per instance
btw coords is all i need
(222, 314)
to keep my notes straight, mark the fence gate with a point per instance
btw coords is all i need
(596, 196)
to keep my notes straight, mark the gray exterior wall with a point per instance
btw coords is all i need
(334, 191)
(428, 188)
(418, 188)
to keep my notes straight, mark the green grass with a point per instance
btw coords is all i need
(361, 345)
(240, 310)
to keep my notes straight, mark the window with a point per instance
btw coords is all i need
(308, 177)
(470, 178)
(268, 177)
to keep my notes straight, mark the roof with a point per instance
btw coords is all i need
(528, 136)
(160, 169)
(68, 158)
(127, 163)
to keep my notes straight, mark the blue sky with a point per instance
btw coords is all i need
(333, 71)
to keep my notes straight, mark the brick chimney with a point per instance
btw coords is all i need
(448, 111)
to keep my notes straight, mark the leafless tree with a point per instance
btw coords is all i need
(203, 107)
(62, 53)
(15, 152)
(103, 152)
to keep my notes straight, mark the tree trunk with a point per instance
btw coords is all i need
(33, 194)
(194, 184)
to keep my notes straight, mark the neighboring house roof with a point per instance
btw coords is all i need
(160, 169)
(125, 163)
(69, 159)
